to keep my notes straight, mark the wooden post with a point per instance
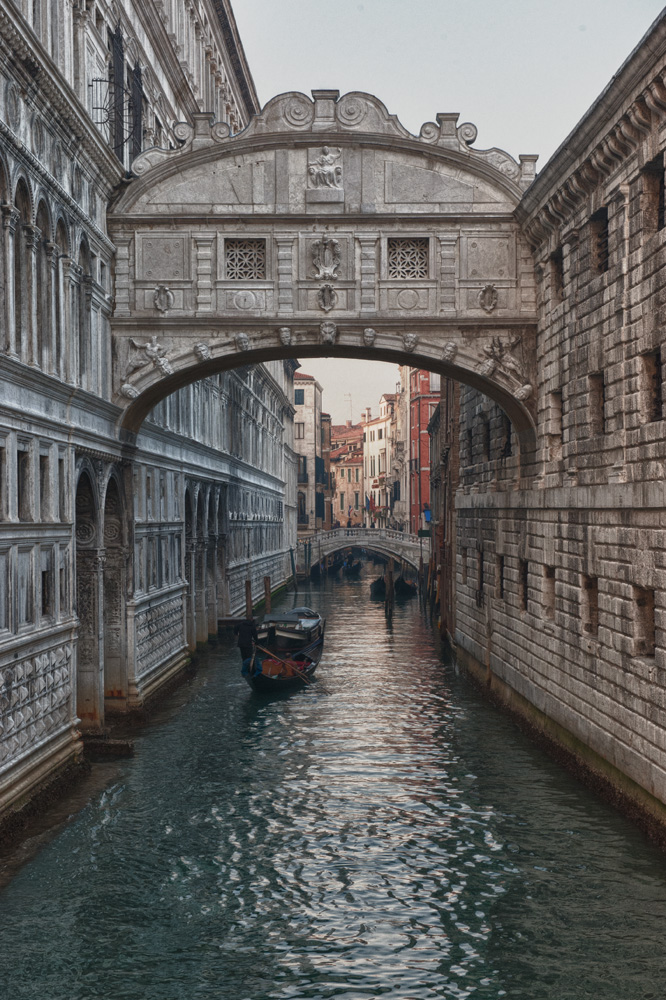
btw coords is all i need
(248, 598)
(267, 594)
(390, 593)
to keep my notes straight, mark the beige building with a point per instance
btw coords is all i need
(309, 445)
(378, 462)
(347, 482)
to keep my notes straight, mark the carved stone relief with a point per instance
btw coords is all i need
(327, 297)
(326, 256)
(498, 356)
(163, 298)
(409, 341)
(369, 336)
(450, 351)
(328, 332)
(488, 298)
(242, 342)
(153, 353)
(284, 335)
(162, 257)
(202, 352)
(324, 168)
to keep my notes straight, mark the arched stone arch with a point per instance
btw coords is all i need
(90, 652)
(44, 299)
(23, 270)
(325, 228)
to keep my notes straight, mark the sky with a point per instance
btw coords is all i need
(523, 71)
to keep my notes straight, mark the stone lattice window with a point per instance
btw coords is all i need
(245, 260)
(407, 258)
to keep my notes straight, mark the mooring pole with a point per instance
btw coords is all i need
(248, 598)
(267, 593)
(390, 593)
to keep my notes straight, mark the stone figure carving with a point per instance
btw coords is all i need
(498, 355)
(409, 341)
(284, 333)
(524, 392)
(154, 353)
(488, 298)
(327, 297)
(326, 256)
(128, 391)
(242, 342)
(325, 171)
(163, 298)
(327, 332)
(202, 351)
(450, 351)
(369, 336)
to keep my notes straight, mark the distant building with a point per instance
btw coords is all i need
(377, 461)
(347, 473)
(326, 457)
(400, 450)
(424, 390)
(311, 475)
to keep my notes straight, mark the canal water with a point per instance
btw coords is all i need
(383, 833)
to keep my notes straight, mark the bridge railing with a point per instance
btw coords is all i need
(340, 537)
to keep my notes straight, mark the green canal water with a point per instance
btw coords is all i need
(383, 833)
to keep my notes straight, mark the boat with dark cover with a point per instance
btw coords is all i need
(269, 675)
(289, 633)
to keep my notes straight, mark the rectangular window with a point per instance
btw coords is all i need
(407, 258)
(500, 577)
(435, 381)
(245, 260)
(557, 276)
(349, 475)
(356, 500)
(470, 446)
(342, 501)
(302, 469)
(380, 434)
(507, 441)
(63, 577)
(47, 592)
(651, 403)
(479, 578)
(25, 588)
(23, 483)
(463, 564)
(62, 491)
(356, 479)
(597, 403)
(485, 438)
(523, 583)
(4, 591)
(44, 490)
(590, 604)
(549, 591)
(299, 397)
(599, 241)
(644, 630)
(300, 431)
(652, 196)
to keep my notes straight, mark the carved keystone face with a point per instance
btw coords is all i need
(202, 351)
(410, 340)
(284, 333)
(328, 332)
(369, 336)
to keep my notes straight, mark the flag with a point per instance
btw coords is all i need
(367, 502)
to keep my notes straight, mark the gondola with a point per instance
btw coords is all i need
(287, 634)
(352, 568)
(405, 588)
(378, 588)
(270, 675)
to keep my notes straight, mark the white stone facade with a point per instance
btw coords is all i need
(116, 557)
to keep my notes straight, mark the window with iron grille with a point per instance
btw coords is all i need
(599, 240)
(407, 258)
(245, 260)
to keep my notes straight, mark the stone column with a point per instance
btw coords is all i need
(50, 332)
(30, 352)
(200, 592)
(10, 219)
(204, 274)
(90, 645)
(123, 277)
(368, 277)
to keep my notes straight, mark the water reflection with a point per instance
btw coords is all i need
(382, 833)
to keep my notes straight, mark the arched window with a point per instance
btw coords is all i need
(60, 300)
(43, 289)
(21, 283)
(83, 290)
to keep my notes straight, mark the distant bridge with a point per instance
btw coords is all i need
(400, 545)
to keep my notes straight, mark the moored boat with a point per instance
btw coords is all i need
(272, 674)
(288, 633)
(378, 588)
(352, 568)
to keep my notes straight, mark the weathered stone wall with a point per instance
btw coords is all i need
(561, 591)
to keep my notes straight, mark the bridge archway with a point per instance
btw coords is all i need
(324, 228)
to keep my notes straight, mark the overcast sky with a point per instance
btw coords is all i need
(523, 71)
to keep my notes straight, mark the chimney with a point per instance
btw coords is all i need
(349, 423)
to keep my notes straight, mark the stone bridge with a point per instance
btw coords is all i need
(400, 545)
(324, 228)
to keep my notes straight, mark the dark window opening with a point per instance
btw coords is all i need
(299, 397)
(597, 403)
(652, 200)
(44, 491)
(590, 604)
(485, 426)
(23, 485)
(644, 627)
(549, 591)
(523, 582)
(463, 559)
(599, 241)
(557, 275)
(500, 577)
(507, 443)
(652, 403)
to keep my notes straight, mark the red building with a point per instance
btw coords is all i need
(424, 394)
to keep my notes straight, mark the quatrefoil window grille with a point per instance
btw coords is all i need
(407, 258)
(245, 260)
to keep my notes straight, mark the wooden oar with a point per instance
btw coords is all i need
(291, 665)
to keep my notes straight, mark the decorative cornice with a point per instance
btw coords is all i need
(633, 103)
